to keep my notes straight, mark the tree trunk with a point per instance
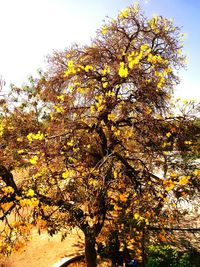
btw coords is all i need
(143, 249)
(90, 251)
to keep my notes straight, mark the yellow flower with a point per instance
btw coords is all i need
(71, 68)
(33, 160)
(105, 84)
(6, 206)
(110, 93)
(81, 90)
(106, 70)
(196, 172)
(61, 97)
(136, 216)
(30, 193)
(104, 30)
(8, 190)
(88, 68)
(21, 151)
(92, 109)
(184, 180)
(169, 185)
(70, 143)
(68, 174)
(59, 109)
(188, 142)
(93, 182)
(111, 117)
(124, 13)
(123, 197)
(31, 136)
(1, 128)
(123, 71)
(168, 134)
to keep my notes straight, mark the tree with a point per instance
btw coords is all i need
(96, 136)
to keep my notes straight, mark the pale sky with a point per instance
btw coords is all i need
(32, 29)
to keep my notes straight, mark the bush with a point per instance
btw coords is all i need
(165, 256)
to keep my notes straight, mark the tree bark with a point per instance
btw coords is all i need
(90, 251)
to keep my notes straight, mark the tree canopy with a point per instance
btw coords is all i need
(96, 139)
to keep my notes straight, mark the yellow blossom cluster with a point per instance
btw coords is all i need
(1, 128)
(29, 202)
(140, 218)
(184, 180)
(111, 117)
(135, 57)
(154, 59)
(70, 143)
(153, 23)
(110, 93)
(88, 68)
(106, 70)
(123, 70)
(58, 108)
(33, 160)
(61, 97)
(68, 174)
(124, 13)
(169, 184)
(115, 131)
(82, 90)
(188, 142)
(30, 193)
(161, 81)
(31, 136)
(105, 82)
(92, 109)
(168, 134)
(6, 206)
(70, 68)
(100, 101)
(93, 182)
(8, 190)
(104, 30)
(196, 172)
(21, 151)
(22, 227)
(127, 11)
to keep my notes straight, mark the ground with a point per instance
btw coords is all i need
(44, 251)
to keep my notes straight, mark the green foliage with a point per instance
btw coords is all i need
(165, 256)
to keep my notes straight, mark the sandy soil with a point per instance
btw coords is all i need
(45, 251)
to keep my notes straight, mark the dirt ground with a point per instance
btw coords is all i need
(45, 251)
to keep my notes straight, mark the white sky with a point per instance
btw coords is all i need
(31, 29)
